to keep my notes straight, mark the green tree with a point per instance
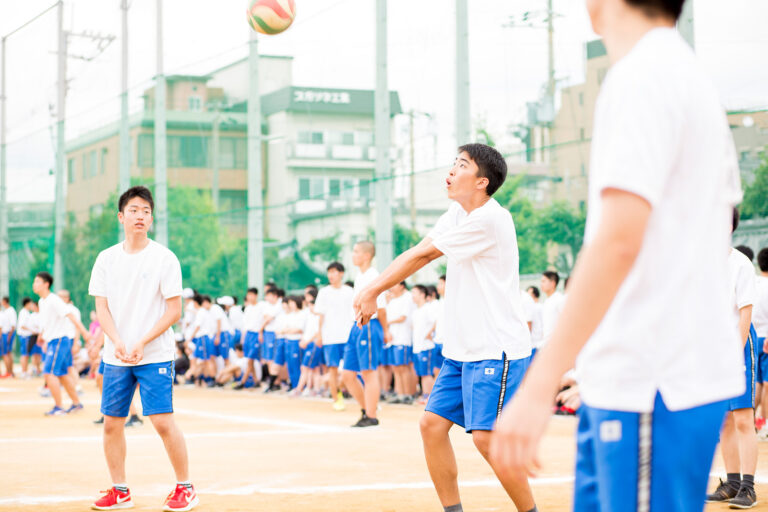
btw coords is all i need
(404, 238)
(532, 253)
(561, 224)
(755, 202)
(227, 271)
(323, 250)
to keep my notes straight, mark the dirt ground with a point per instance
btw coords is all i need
(249, 451)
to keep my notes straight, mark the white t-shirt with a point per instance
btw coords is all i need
(363, 280)
(236, 319)
(25, 323)
(483, 313)
(550, 313)
(440, 321)
(53, 317)
(136, 287)
(311, 326)
(660, 132)
(217, 313)
(760, 308)
(275, 311)
(335, 304)
(402, 332)
(71, 329)
(423, 322)
(253, 317)
(278, 324)
(294, 320)
(742, 277)
(537, 324)
(34, 322)
(188, 320)
(8, 319)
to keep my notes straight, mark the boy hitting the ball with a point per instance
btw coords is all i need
(137, 288)
(487, 345)
(658, 351)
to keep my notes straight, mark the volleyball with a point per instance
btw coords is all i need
(271, 16)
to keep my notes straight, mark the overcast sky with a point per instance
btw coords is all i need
(333, 44)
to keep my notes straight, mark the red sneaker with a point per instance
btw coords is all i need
(759, 423)
(113, 500)
(182, 498)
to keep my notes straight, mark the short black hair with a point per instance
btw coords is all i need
(296, 299)
(535, 291)
(312, 292)
(746, 251)
(421, 288)
(206, 298)
(45, 276)
(238, 347)
(252, 290)
(7, 299)
(281, 293)
(272, 291)
(735, 220)
(336, 265)
(490, 165)
(270, 285)
(349, 283)
(441, 278)
(197, 299)
(310, 287)
(762, 259)
(432, 291)
(25, 301)
(653, 8)
(552, 276)
(234, 299)
(137, 191)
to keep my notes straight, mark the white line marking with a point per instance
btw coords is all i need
(142, 437)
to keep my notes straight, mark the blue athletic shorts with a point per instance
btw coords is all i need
(204, 348)
(251, 347)
(401, 355)
(24, 348)
(313, 356)
(422, 363)
(101, 368)
(58, 356)
(155, 387)
(364, 347)
(279, 355)
(268, 346)
(7, 343)
(747, 400)
(293, 357)
(333, 354)
(628, 461)
(225, 342)
(236, 338)
(762, 361)
(472, 394)
(387, 357)
(437, 359)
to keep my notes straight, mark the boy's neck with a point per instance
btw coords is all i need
(622, 34)
(135, 242)
(551, 293)
(337, 285)
(44, 294)
(474, 202)
(364, 266)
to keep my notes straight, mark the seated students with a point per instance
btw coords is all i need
(235, 368)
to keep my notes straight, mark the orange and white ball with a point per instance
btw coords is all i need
(271, 16)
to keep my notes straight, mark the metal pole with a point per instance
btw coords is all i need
(551, 53)
(463, 122)
(161, 179)
(384, 246)
(255, 252)
(685, 25)
(4, 241)
(125, 140)
(60, 194)
(215, 161)
(412, 194)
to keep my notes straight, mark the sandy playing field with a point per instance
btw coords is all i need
(249, 451)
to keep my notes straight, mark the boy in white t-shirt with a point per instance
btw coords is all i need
(552, 307)
(760, 321)
(334, 310)
(27, 335)
(137, 288)
(253, 322)
(399, 316)
(8, 329)
(647, 311)
(423, 340)
(487, 344)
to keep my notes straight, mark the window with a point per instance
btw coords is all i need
(334, 187)
(195, 103)
(232, 153)
(581, 98)
(146, 149)
(93, 167)
(347, 139)
(365, 189)
(364, 138)
(85, 165)
(71, 170)
(103, 165)
(349, 188)
(187, 151)
(310, 138)
(311, 188)
(581, 133)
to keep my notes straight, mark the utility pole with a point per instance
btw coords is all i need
(161, 178)
(463, 121)
(255, 251)
(412, 194)
(124, 181)
(59, 196)
(550, 53)
(5, 280)
(382, 119)
(685, 25)
(215, 159)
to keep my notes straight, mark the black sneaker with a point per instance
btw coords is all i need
(724, 492)
(133, 421)
(99, 421)
(746, 498)
(366, 422)
(238, 386)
